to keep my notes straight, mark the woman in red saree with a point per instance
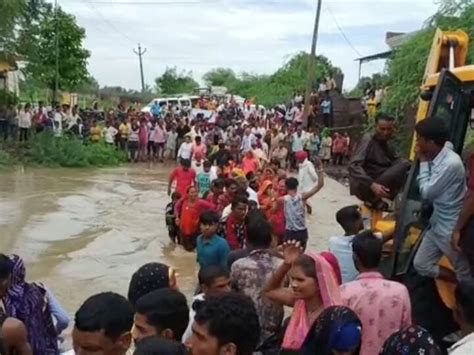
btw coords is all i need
(265, 197)
(276, 213)
(188, 211)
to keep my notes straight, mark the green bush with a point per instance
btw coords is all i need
(406, 69)
(45, 149)
(5, 159)
(7, 98)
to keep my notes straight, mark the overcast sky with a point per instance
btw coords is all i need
(246, 35)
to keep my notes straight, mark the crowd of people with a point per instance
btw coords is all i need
(240, 199)
(337, 307)
(158, 134)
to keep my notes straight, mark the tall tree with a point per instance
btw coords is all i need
(282, 85)
(172, 82)
(11, 11)
(38, 45)
(89, 86)
(220, 77)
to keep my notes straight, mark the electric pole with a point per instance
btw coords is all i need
(140, 53)
(56, 76)
(311, 62)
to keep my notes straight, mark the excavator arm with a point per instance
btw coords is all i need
(448, 51)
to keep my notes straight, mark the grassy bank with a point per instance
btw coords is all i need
(46, 150)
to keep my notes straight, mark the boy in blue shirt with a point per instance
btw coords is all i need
(211, 248)
(203, 179)
(350, 219)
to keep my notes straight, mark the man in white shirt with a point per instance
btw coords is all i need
(186, 149)
(214, 280)
(68, 118)
(298, 98)
(24, 122)
(247, 140)
(58, 121)
(307, 176)
(464, 316)
(109, 133)
(259, 129)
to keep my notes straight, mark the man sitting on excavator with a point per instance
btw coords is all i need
(375, 172)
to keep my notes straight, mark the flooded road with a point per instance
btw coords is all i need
(86, 231)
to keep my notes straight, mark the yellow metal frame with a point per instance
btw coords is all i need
(439, 59)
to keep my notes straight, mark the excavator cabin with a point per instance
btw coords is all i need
(447, 92)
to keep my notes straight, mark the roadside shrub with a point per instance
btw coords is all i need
(5, 159)
(46, 149)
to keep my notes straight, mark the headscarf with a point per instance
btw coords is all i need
(332, 260)
(337, 328)
(148, 278)
(412, 340)
(298, 326)
(28, 303)
(263, 189)
(237, 172)
(301, 156)
(325, 132)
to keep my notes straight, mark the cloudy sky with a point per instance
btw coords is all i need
(246, 35)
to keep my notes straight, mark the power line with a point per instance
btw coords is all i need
(148, 3)
(342, 32)
(110, 24)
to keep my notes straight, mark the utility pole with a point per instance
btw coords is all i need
(140, 53)
(56, 76)
(311, 64)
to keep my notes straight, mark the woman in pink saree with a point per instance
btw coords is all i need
(313, 288)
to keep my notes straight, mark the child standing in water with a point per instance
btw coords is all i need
(173, 230)
(203, 179)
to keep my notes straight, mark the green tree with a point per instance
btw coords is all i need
(171, 82)
(111, 93)
(38, 45)
(451, 8)
(405, 70)
(281, 86)
(11, 11)
(89, 86)
(220, 77)
(377, 80)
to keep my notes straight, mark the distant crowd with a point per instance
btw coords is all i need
(240, 200)
(158, 134)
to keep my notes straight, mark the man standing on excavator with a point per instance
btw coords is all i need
(375, 172)
(442, 182)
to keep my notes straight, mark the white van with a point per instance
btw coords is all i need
(181, 102)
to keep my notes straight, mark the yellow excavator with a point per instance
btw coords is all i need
(447, 92)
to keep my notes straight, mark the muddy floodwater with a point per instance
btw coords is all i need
(86, 231)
